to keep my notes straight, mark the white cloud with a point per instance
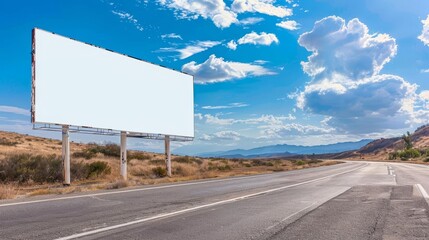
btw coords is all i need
(251, 20)
(232, 45)
(15, 110)
(260, 6)
(346, 49)
(218, 121)
(217, 70)
(258, 39)
(286, 130)
(267, 119)
(289, 25)
(128, 17)
(231, 105)
(425, 70)
(193, 48)
(424, 37)
(199, 116)
(216, 10)
(346, 86)
(171, 35)
(222, 135)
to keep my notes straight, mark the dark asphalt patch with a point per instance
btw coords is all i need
(365, 212)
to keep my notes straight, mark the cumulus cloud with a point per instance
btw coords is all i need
(260, 6)
(232, 45)
(191, 49)
(347, 87)
(216, 10)
(289, 25)
(218, 70)
(258, 39)
(346, 49)
(424, 37)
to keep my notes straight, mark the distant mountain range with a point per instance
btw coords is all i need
(283, 150)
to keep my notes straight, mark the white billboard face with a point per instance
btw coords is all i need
(81, 85)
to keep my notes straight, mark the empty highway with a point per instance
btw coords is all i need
(353, 200)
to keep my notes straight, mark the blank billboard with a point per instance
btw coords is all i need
(78, 84)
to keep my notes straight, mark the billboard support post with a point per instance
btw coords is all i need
(168, 155)
(66, 155)
(124, 155)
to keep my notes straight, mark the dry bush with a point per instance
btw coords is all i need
(184, 169)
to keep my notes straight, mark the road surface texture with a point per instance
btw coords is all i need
(353, 200)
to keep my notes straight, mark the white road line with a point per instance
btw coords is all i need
(164, 215)
(128, 191)
(125, 191)
(422, 191)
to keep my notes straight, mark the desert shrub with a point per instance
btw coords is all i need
(393, 156)
(78, 170)
(6, 142)
(184, 159)
(184, 169)
(248, 165)
(159, 172)
(157, 162)
(300, 162)
(23, 168)
(259, 162)
(198, 161)
(112, 150)
(426, 159)
(314, 161)
(138, 156)
(84, 154)
(269, 164)
(224, 167)
(409, 153)
(97, 169)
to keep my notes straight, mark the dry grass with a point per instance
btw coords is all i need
(141, 168)
(8, 191)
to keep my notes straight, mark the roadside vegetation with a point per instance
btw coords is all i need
(409, 152)
(33, 166)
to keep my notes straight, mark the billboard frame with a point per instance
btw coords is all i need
(86, 129)
(66, 129)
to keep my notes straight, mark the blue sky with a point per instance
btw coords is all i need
(266, 71)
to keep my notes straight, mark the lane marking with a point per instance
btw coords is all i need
(423, 191)
(165, 215)
(133, 190)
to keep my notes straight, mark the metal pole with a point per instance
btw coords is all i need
(124, 155)
(168, 155)
(66, 155)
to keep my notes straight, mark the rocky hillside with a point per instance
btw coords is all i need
(381, 148)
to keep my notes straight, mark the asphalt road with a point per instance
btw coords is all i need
(353, 200)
